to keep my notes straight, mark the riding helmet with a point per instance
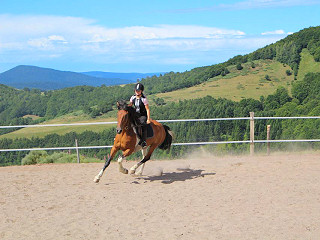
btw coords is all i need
(138, 87)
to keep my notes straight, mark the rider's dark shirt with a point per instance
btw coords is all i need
(139, 104)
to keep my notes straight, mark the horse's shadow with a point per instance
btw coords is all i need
(182, 175)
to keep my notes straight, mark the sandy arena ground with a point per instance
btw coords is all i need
(261, 197)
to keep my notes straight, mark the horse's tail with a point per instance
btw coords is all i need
(168, 139)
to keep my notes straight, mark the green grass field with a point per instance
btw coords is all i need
(307, 64)
(247, 83)
(69, 118)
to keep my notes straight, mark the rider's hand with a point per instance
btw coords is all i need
(148, 121)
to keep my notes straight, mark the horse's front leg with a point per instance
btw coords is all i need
(121, 168)
(121, 158)
(113, 151)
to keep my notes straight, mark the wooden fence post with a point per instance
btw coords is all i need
(268, 138)
(251, 133)
(78, 157)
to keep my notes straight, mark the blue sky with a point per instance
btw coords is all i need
(143, 36)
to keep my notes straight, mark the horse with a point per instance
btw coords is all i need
(127, 140)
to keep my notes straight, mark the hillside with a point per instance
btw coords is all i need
(246, 83)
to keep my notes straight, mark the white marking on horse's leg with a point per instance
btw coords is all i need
(139, 173)
(121, 168)
(137, 147)
(134, 168)
(144, 152)
(97, 178)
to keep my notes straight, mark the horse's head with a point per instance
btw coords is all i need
(123, 116)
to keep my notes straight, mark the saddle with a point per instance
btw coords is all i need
(149, 130)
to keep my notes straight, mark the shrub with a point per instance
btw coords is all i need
(288, 72)
(239, 66)
(34, 157)
(317, 55)
(52, 158)
(267, 77)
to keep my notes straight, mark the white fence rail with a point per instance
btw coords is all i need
(251, 141)
(173, 120)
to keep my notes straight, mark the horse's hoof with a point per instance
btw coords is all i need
(138, 173)
(96, 179)
(132, 172)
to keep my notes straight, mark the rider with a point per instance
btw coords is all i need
(140, 102)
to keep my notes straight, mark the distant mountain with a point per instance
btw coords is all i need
(49, 79)
(129, 76)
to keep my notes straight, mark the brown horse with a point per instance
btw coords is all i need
(126, 140)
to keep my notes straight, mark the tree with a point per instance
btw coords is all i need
(317, 55)
(239, 66)
(308, 88)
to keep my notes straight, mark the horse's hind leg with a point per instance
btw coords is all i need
(144, 153)
(146, 158)
(121, 168)
(139, 173)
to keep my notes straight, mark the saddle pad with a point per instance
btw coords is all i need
(149, 131)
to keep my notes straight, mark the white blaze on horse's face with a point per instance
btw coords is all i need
(122, 120)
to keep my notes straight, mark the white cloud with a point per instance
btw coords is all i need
(276, 32)
(50, 33)
(57, 38)
(161, 32)
(79, 39)
(52, 42)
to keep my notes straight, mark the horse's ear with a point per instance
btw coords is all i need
(118, 105)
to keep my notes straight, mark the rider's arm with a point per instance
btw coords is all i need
(148, 113)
